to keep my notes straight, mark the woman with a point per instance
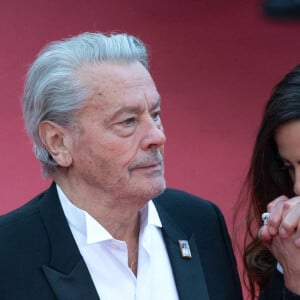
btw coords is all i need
(272, 251)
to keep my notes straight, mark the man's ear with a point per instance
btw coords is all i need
(57, 141)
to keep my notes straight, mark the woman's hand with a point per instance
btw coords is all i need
(284, 220)
(281, 234)
(288, 255)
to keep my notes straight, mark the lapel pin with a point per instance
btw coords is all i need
(184, 248)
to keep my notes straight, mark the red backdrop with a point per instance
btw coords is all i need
(215, 63)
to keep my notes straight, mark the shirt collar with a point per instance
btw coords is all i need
(92, 230)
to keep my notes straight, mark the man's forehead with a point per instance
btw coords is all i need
(117, 85)
(116, 72)
(115, 101)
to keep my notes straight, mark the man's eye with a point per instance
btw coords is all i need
(156, 116)
(128, 122)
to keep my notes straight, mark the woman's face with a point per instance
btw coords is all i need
(287, 138)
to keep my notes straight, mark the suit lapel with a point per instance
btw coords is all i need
(66, 273)
(69, 277)
(188, 272)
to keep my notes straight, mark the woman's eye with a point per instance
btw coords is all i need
(288, 167)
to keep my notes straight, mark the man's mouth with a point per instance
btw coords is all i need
(150, 165)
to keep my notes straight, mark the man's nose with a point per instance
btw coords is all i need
(154, 135)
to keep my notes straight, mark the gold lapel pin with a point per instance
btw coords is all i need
(184, 248)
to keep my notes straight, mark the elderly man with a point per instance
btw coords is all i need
(93, 113)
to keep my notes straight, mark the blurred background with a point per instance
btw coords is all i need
(214, 62)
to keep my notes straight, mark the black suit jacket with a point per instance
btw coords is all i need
(39, 258)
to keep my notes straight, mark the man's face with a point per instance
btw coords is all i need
(118, 149)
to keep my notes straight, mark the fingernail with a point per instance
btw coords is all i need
(282, 232)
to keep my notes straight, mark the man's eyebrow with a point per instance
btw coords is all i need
(134, 109)
(156, 104)
(127, 109)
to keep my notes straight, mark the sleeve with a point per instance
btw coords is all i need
(288, 295)
(276, 290)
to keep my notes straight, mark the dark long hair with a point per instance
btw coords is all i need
(266, 179)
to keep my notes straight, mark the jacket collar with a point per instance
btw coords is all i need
(188, 272)
(66, 272)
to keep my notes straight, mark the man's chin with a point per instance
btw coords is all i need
(157, 189)
(157, 192)
(150, 189)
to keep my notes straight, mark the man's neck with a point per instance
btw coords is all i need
(120, 220)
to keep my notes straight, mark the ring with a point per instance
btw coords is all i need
(265, 217)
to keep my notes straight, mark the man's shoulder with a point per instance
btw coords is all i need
(178, 199)
(184, 206)
(17, 219)
(192, 214)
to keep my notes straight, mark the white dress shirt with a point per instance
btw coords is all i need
(107, 258)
